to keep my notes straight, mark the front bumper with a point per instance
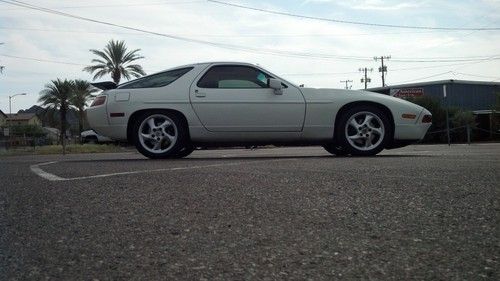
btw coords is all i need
(414, 131)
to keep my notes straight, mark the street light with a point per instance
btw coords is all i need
(10, 116)
(10, 102)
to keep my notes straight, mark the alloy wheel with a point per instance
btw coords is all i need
(364, 130)
(158, 133)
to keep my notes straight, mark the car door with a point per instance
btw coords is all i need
(236, 98)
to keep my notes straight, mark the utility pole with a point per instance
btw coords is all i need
(366, 79)
(10, 117)
(382, 68)
(347, 87)
(447, 120)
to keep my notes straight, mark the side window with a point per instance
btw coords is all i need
(156, 80)
(233, 77)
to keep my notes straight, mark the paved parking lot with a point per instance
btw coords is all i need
(421, 212)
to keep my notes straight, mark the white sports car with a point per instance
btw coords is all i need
(167, 114)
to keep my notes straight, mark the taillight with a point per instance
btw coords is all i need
(98, 101)
(427, 119)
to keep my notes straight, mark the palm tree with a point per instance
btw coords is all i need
(82, 93)
(57, 96)
(115, 60)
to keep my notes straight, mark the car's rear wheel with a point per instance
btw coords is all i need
(363, 130)
(159, 134)
(185, 151)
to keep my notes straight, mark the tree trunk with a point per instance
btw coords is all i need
(80, 123)
(63, 127)
(116, 76)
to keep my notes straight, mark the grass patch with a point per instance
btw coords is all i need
(70, 149)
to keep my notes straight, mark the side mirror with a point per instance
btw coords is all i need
(276, 85)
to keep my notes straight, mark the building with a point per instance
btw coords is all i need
(476, 96)
(3, 119)
(468, 95)
(23, 119)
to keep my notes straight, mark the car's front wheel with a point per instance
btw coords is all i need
(363, 130)
(159, 134)
(335, 149)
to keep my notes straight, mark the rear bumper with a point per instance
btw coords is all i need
(113, 132)
(98, 121)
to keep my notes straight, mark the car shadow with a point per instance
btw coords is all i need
(248, 158)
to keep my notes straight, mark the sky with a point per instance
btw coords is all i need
(38, 47)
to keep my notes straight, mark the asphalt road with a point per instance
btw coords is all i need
(421, 212)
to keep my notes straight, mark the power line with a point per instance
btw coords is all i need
(186, 39)
(226, 35)
(474, 75)
(426, 77)
(448, 72)
(433, 66)
(214, 44)
(285, 74)
(444, 60)
(41, 60)
(121, 5)
(352, 22)
(69, 30)
(319, 73)
(290, 74)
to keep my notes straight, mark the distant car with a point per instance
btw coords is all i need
(90, 136)
(169, 113)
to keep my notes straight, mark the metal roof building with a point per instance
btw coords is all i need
(469, 95)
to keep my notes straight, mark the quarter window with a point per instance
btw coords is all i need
(156, 80)
(233, 77)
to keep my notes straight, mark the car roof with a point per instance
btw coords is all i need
(208, 63)
(221, 63)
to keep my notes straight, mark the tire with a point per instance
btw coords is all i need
(91, 140)
(185, 151)
(159, 134)
(335, 149)
(363, 130)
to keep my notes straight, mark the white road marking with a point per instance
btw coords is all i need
(48, 176)
(51, 177)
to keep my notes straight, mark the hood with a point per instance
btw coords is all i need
(346, 96)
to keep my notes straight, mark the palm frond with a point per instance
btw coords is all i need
(132, 56)
(114, 59)
(136, 70)
(101, 54)
(101, 73)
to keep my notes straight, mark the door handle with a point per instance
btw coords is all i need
(199, 94)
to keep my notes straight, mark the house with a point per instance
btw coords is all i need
(23, 119)
(3, 119)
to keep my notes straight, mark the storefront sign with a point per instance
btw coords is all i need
(407, 92)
